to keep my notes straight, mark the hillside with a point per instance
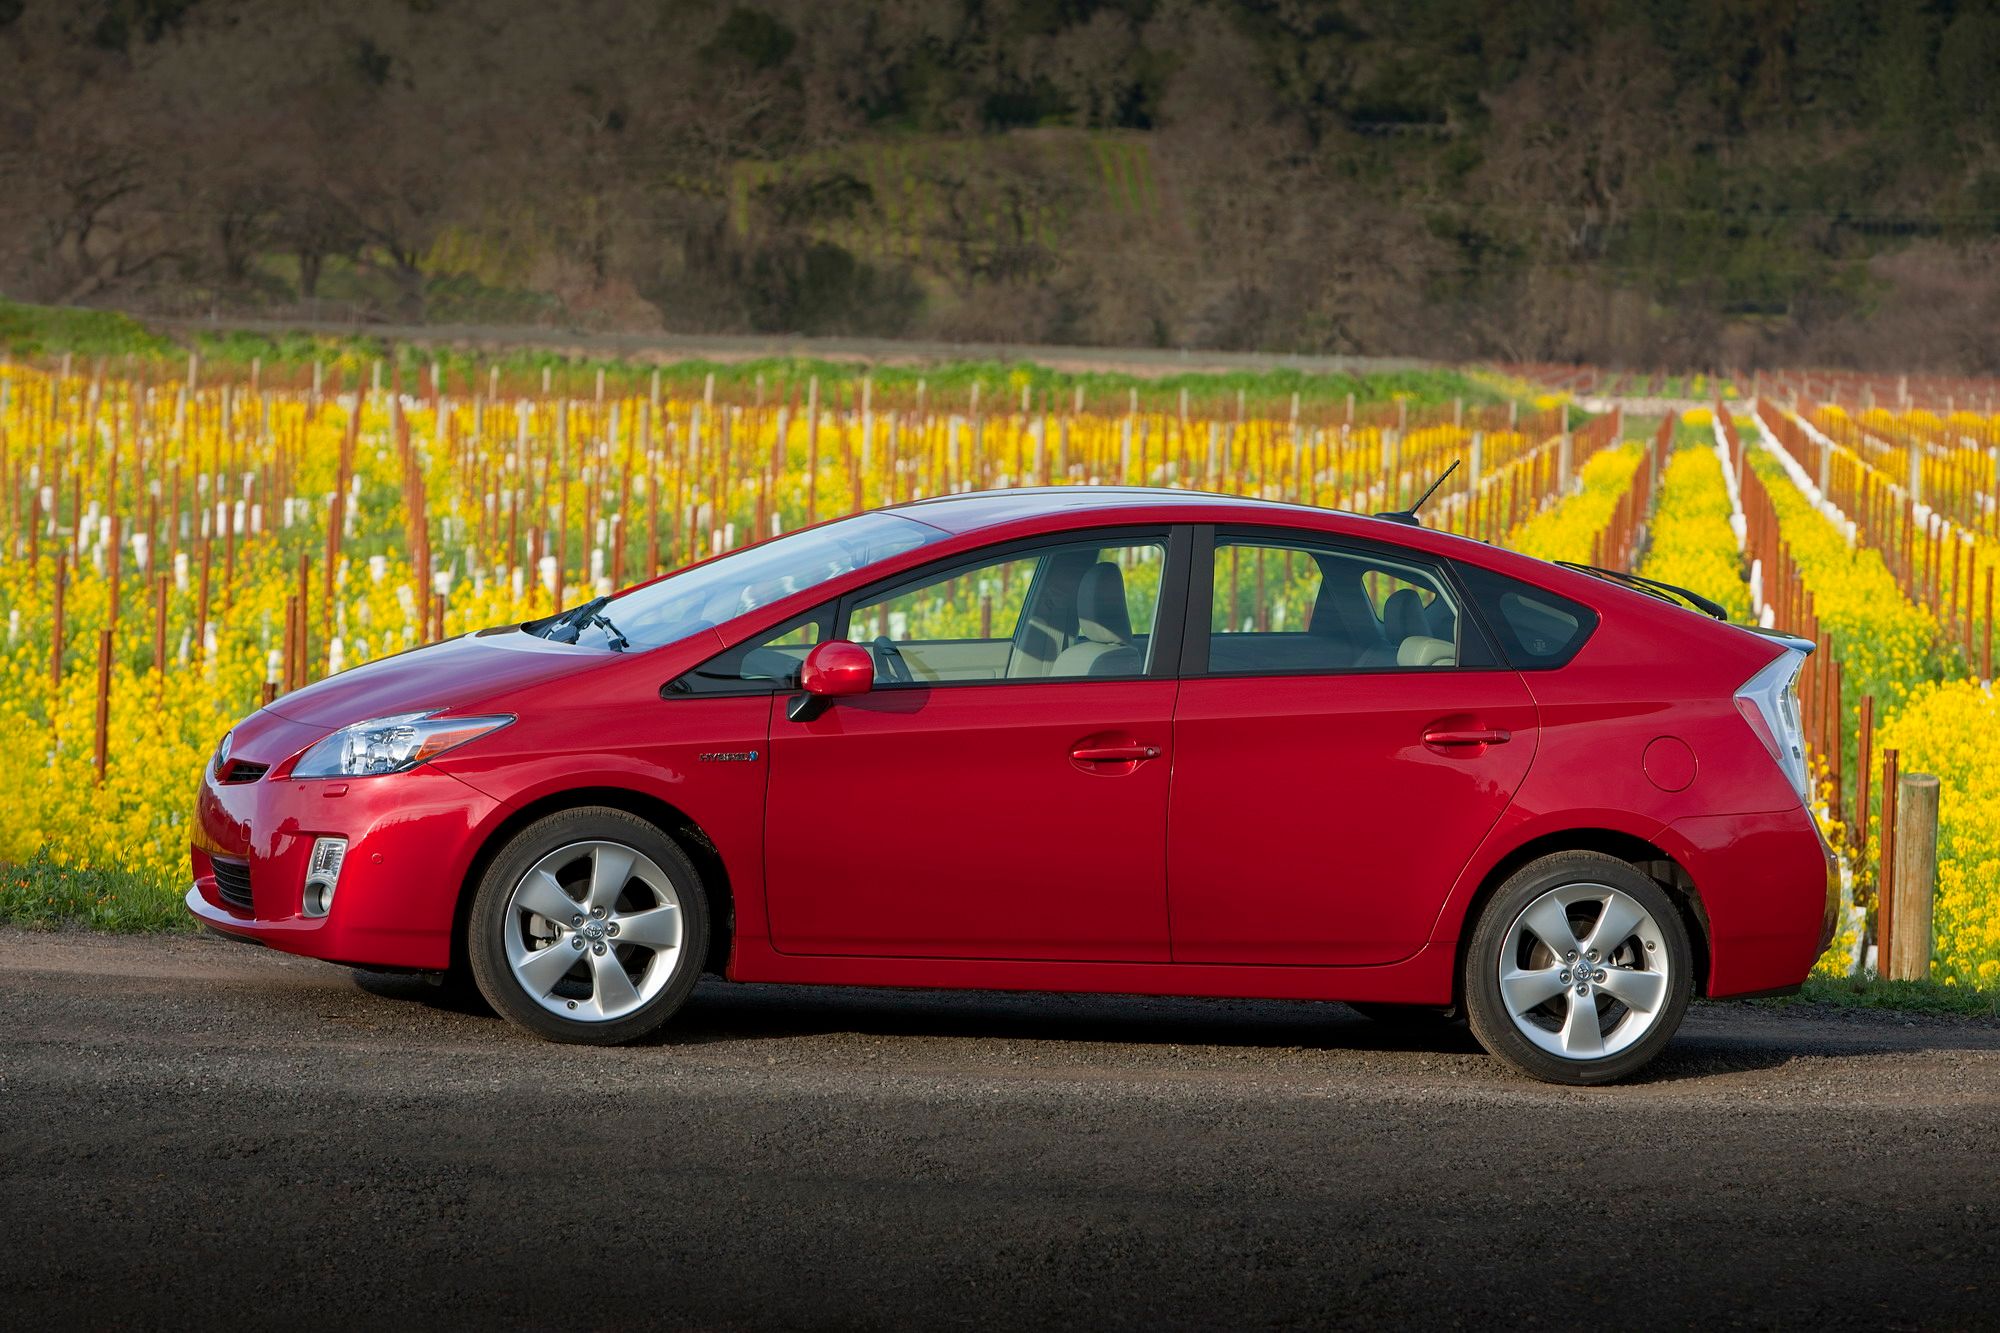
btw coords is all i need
(1632, 182)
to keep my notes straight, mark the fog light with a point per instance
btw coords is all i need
(323, 874)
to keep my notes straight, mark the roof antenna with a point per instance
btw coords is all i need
(1409, 515)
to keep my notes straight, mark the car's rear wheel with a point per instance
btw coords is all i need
(1579, 970)
(589, 926)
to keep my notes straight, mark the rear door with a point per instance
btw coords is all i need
(1344, 739)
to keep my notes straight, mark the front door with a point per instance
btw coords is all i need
(1002, 793)
(1348, 746)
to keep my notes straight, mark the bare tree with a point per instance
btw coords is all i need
(86, 205)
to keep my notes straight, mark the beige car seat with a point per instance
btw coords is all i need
(1104, 627)
(1420, 650)
(1410, 630)
(1051, 617)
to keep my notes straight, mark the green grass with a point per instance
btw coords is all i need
(1000, 382)
(43, 894)
(32, 330)
(44, 332)
(1909, 997)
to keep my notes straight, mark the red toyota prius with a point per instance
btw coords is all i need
(1069, 739)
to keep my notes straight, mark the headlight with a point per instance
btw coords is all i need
(390, 744)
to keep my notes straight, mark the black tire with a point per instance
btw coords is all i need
(1416, 1016)
(1494, 933)
(487, 938)
(457, 988)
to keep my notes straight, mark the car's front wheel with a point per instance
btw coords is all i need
(1579, 970)
(588, 926)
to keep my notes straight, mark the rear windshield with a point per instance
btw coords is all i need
(1538, 630)
(706, 595)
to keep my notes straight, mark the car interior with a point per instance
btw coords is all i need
(1074, 613)
(1364, 615)
(1087, 612)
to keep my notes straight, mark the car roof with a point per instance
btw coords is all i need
(974, 511)
(973, 515)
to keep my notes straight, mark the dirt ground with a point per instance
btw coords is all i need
(192, 1131)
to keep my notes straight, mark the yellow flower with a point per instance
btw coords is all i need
(1692, 544)
(1567, 531)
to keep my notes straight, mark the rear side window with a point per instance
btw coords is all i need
(1281, 607)
(1538, 629)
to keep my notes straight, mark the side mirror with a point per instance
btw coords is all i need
(835, 669)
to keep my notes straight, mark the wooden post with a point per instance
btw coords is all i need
(812, 448)
(56, 622)
(1916, 876)
(112, 569)
(228, 554)
(161, 583)
(301, 678)
(1885, 878)
(1986, 654)
(201, 599)
(103, 741)
(1864, 754)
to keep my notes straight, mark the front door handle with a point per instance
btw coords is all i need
(1122, 753)
(1452, 736)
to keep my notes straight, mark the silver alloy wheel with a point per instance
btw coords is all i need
(593, 931)
(1583, 971)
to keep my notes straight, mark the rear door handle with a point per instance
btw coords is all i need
(1114, 754)
(1455, 736)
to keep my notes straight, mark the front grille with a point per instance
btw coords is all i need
(232, 881)
(243, 771)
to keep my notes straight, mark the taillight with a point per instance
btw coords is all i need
(1769, 702)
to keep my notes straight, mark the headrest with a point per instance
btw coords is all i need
(1341, 611)
(1057, 606)
(1101, 616)
(1420, 650)
(1403, 615)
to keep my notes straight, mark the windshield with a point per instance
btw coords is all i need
(707, 595)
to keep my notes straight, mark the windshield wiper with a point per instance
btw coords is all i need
(1664, 591)
(614, 637)
(565, 627)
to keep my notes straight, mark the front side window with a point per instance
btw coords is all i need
(770, 662)
(1080, 611)
(1281, 608)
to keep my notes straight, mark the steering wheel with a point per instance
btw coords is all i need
(894, 669)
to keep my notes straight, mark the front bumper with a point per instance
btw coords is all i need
(410, 841)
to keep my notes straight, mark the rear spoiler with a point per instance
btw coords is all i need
(1791, 641)
(1653, 587)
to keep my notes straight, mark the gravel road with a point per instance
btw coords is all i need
(192, 1131)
